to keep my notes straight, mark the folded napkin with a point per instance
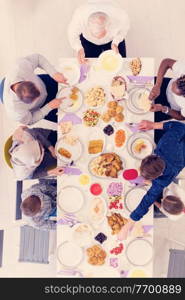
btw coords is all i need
(139, 181)
(141, 79)
(134, 127)
(72, 118)
(68, 219)
(72, 171)
(84, 69)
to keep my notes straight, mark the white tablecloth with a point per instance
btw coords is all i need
(124, 268)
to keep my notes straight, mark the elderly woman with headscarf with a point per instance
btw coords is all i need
(33, 153)
(96, 27)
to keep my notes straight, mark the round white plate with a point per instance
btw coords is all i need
(65, 92)
(140, 137)
(133, 100)
(139, 252)
(71, 71)
(69, 254)
(76, 150)
(97, 134)
(133, 197)
(70, 199)
(82, 234)
(99, 218)
(110, 55)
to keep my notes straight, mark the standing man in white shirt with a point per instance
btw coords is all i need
(98, 26)
(169, 94)
(29, 97)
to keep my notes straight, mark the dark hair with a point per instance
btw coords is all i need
(31, 205)
(181, 84)
(173, 205)
(152, 167)
(27, 91)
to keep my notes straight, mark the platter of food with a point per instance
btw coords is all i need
(114, 112)
(70, 199)
(74, 99)
(116, 221)
(91, 118)
(119, 87)
(97, 210)
(96, 255)
(95, 97)
(69, 148)
(96, 142)
(138, 101)
(106, 165)
(120, 138)
(140, 145)
(135, 66)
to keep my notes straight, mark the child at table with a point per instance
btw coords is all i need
(38, 204)
(173, 203)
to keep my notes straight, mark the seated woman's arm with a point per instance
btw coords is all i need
(165, 65)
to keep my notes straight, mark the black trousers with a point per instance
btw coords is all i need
(159, 116)
(92, 50)
(52, 89)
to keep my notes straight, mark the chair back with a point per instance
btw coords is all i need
(1, 89)
(7, 155)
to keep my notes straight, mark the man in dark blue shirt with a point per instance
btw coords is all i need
(161, 168)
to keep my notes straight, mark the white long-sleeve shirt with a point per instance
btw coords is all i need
(117, 29)
(24, 71)
(176, 102)
(174, 190)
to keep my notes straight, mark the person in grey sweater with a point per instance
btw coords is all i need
(37, 205)
(33, 153)
(29, 97)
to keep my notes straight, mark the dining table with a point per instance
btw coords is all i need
(90, 206)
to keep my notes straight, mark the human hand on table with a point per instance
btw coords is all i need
(157, 107)
(18, 133)
(52, 151)
(81, 56)
(56, 172)
(146, 125)
(155, 92)
(55, 103)
(115, 48)
(125, 230)
(59, 77)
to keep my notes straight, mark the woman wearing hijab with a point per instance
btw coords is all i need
(33, 153)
